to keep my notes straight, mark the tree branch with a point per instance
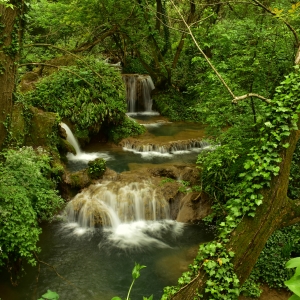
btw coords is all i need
(285, 22)
(88, 46)
(236, 99)
(292, 213)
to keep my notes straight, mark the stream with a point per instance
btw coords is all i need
(88, 261)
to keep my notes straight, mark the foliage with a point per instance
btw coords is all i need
(135, 275)
(50, 296)
(27, 195)
(177, 106)
(125, 128)
(134, 66)
(294, 282)
(280, 247)
(87, 94)
(6, 4)
(96, 168)
(251, 288)
(244, 196)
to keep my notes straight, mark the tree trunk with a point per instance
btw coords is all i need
(9, 43)
(251, 235)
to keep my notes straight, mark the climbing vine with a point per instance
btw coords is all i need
(245, 196)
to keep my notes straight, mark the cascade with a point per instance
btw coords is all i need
(167, 148)
(138, 92)
(81, 159)
(71, 138)
(113, 203)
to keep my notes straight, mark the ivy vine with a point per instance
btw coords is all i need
(262, 164)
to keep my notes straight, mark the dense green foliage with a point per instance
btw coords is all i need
(27, 196)
(243, 195)
(126, 128)
(281, 246)
(85, 95)
(252, 48)
(96, 168)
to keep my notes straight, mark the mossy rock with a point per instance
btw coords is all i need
(65, 147)
(43, 128)
(28, 81)
(18, 125)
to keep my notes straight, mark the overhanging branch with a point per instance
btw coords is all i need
(235, 99)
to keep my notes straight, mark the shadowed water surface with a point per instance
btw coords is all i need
(98, 263)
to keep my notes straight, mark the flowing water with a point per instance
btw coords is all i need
(95, 262)
(108, 227)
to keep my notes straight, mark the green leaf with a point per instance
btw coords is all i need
(294, 297)
(136, 270)
(116, 298)
(294, 284)
(50, 295)
(293, 263)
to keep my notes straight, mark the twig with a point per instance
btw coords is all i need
(60, 276)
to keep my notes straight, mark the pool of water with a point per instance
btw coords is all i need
(98, 264)
(158, 130)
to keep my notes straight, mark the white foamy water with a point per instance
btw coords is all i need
(139, 234)
(131, 215)
(81, 156)
(86, 157)
(143, 113)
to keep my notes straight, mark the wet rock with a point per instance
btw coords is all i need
(194, 207)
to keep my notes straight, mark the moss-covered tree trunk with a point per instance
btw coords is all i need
(9, 53)
(252, 233)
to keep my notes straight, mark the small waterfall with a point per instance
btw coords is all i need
(71, 138)
(138, 92)
(171, 147)
(114, 203)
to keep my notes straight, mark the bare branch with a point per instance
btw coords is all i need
(236, 99)
(60, 276)
(201, 51)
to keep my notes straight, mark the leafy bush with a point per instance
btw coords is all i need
(281, 246)
(176, 106)
(96, 167)
(127, 127)
(85, 95)
(27, 195)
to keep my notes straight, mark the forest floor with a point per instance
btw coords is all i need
(270, 294)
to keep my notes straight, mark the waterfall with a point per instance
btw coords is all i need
(138, 92)
(71, 138)
(114, 203)
(167, 148)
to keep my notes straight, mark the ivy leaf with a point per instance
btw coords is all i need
(293, 284)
